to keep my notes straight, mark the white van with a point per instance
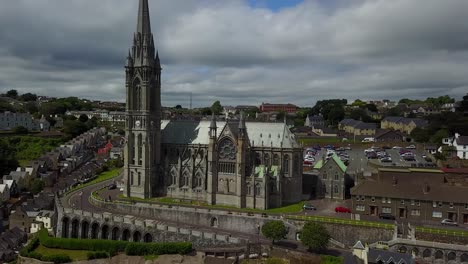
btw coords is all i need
(368, 139)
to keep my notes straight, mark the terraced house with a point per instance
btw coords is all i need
(358, 128)
(402, 124)
(418, 194)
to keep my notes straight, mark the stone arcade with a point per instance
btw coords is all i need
(234, 163)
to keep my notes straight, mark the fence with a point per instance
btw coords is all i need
(333, 220)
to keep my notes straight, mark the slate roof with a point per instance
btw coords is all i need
(358, 124)
(396, 119)
(384, 132)
(411, 186)
(462, 140)
(196, 132)
(386, 256)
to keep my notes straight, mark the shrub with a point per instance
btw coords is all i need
(30, 247)
(97, 255)
(274, 230)
(59, 258)
(34, 255)
(113, 246)
(142, 249)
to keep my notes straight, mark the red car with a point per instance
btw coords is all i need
(341, 209)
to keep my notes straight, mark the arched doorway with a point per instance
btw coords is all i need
(451, 256)
(439, 254)
(65, 226)
(427, 253)
(214, 222)
(125, 235)
(402, 249)
(75, 228)
(105, 232)
(115, 233)
(148, 238)
(464, 258)
(415, 252)
(84, 229)
(136, 236)
(94, 231)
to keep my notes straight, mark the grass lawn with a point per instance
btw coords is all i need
(292, 208)
(151, 257)
(333, 220)
(318, 141)
(106, 175)
(73, 254)
(441, 231)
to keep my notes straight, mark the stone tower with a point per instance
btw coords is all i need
(143, 124)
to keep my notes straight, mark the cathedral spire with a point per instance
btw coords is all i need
(144, 24)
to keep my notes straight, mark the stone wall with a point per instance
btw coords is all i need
(24, 260)
(442, 238)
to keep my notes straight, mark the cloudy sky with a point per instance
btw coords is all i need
(240, 51)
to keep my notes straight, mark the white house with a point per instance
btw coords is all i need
(4, 193)
(43, 219)
(460, 143)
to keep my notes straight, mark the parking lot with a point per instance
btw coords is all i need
(359, 162)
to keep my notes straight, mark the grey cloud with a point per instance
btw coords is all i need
(229, 51)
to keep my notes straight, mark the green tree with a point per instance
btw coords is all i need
(178, 107)
(336, 115)
(439, 135)
(12, 93)
(74, 127)
(420, 135)
(31, 107)
(37, 185)
(27, 97)
(217, 108)
(394, 111)
(83, 118)
(372, 107)
(315, 236)
(274, 230)
(8, 161)
(206, 111)
(20, 130)
(359, 103)
(280, 116)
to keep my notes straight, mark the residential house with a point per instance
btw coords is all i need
(357, 128)
(12, 186)
(388, 135)
(368, 255)
(460, 143)
(402, 124)
(116, 153)
(44, 219)
(4, 193)
(288, 108)
(20, 177)
(415, 194)
(314, 121)
(333, 182)
(11, 241)
(19, 218)
(323, 131)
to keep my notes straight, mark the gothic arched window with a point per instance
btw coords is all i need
(266, 159)
(286, 164)
(140, 149)
(275, 159)
(335, 189)
(137, 102)
(185, 179)
(198, 180)
(258, 189)
(173, 178)
(249, 189)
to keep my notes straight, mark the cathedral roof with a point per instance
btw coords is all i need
(275, 135)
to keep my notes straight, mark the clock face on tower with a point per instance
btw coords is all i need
(227, 150)
(137, 123)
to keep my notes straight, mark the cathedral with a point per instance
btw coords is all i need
(233, 163)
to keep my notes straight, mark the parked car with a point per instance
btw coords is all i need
(386, 159)
(411, 147)
(347, 148)
(386, 216)
(341, 209)
(396, 147)
(308, 207)
(112, 186)
(448, 222)
(386, 147)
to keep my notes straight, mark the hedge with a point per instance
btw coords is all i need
(59, 258)
(97, 255)
(113, 246)
(142, 249)
(30, 247)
